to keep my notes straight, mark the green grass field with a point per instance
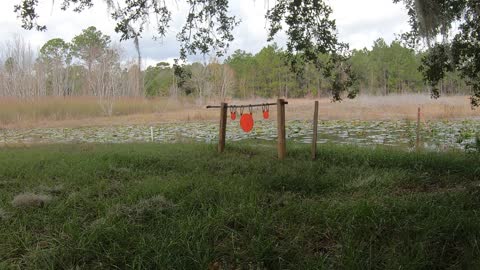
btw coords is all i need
(183, 206)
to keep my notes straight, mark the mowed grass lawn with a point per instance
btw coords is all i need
(183, 206)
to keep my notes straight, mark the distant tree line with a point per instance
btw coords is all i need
(393, 69)
(90, 65)
(382, 70)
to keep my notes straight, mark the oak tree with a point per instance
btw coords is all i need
(451, 30)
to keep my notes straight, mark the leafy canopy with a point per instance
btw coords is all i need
(90, 44)
(55, 51)
(433, 21)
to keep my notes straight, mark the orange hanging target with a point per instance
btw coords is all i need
(246, 121)
(266, 112)
(233, 113)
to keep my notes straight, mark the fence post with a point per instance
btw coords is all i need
(223, 127)
(281, 141)
(417, 145)
(315, 131)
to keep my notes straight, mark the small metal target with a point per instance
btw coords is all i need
(266, 111)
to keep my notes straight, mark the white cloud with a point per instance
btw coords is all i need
(359, 23)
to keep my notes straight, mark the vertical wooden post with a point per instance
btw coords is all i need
(223, 127)
(315, 131)
(417, 145)
(281, 139)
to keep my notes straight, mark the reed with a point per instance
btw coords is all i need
(81, 111)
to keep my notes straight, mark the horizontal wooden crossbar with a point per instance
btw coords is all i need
(244, 106)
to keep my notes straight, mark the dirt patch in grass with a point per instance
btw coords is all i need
(30, 200)
(144, 209)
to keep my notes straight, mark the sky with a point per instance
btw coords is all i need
(359, 23)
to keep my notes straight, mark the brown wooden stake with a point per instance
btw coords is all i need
(282, 148)
(418, 130)
(223, 127)
(315, 131)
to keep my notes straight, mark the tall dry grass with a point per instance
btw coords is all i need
(86, 111)
(56, 108)
(389, 108)
(48, 111)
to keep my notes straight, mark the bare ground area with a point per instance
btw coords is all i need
(86, 111)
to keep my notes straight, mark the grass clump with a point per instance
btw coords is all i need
(30, 200)
(52, 190)
(3, 214)
(183, 206)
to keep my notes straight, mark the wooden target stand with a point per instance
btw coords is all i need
(281, 134)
